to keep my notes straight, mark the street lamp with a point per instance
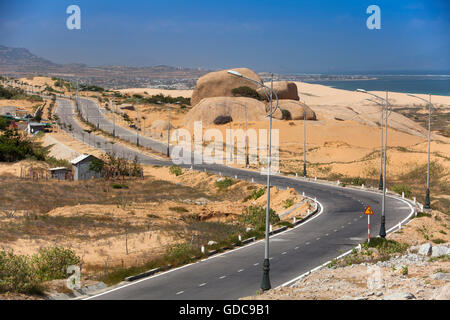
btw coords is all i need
(265, 284)
(387, 110)
(168, 132)
(380, 186)
(430, 105)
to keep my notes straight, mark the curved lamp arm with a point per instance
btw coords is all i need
(240, 75)
(428, 102)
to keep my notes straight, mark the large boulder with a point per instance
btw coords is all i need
(221, 83)
(160, 125)
(296, 109)
(285, 90)
(210, 109)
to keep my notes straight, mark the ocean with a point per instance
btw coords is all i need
(423, 84)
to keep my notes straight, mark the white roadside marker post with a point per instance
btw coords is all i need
(203, 249)
(368, 228)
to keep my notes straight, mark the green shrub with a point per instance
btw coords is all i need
(246, 92)
(399, 188)
(288, 203)
(286, 114)
(256, 217)
(119, 186)
(386, 247)
(24, 274)
(358, 181)
(180, 254)
(176, 170)
(14, 147)
(256, 194)
(51, 263)
(179, 209)
(17, 275)
(224, 184)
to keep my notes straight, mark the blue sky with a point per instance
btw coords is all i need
(281, 36)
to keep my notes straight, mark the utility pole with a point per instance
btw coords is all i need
(247, 158)
(168, 132)
(430, 106)
(137, 126)
(387, 110)
(265, 283)
(304, 142)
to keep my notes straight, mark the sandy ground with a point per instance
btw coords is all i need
(151, 92)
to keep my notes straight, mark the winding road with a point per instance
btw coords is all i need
(339, 226)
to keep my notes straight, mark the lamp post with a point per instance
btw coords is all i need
(304, 143)
(381, 184)
(265, 284)
(387, 111)
(430, 105)
(137, 126)
(168, 132)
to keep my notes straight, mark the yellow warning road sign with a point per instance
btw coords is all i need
(369, 211)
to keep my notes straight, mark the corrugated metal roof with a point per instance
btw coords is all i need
(59, 168)
(80, 158)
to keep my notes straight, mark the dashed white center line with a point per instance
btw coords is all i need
(240, 270)
(201, 285)
(327, 235)
(342, 227)
(181, 292)
(349, 223)
(256, 264)
(335, 231)
(270, 258)
(296, 248)
(284, 252)
(318, 239)
(308, 243)
(222, 277)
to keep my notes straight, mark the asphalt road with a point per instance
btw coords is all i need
(338, 227)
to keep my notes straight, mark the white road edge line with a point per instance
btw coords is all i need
(407, 219)
(213, 257)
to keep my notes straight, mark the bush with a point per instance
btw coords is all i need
(52, 263)
(4, 123)
(246, 92)
(14, 147)
(176, 170)
(224, 184)
(17, 275)
(24, 274)
(288, 203)
(358, 181)
(286, 114)
(256, 217)
(399, 188)
(223, 120)
(386, 247)
(256, 194)
(119, 186)
(180, 254)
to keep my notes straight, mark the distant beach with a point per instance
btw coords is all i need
(424, 84)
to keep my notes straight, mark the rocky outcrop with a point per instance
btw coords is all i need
(285, 90)
(210, 109)
(296, 110)
(221, 83)
(160, 125)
